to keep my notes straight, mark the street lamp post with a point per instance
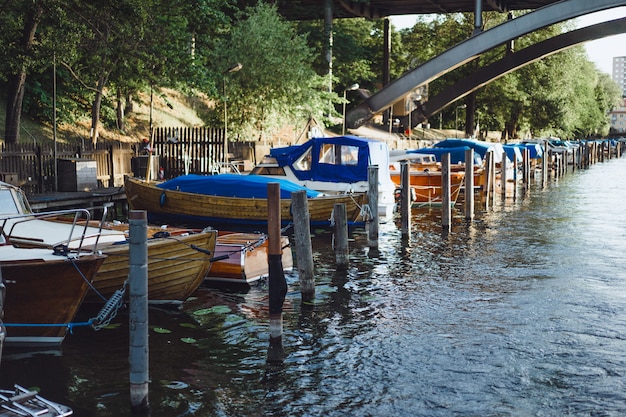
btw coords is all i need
(456, 119)
(234, 68)
(351, 88)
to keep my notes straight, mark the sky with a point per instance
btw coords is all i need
(601, 51)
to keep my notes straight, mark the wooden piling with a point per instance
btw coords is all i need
(277, 282)
(138, 311)
(341, 236)
(372, 198)
(446, 207)
(493, 182)
(469, 184)
(405, 199)
(488, 178)
(503, 175)
(302, 237)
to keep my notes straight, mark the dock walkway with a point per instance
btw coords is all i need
(79, 199)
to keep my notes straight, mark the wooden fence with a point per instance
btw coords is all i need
(32, 167)
(187, 150)
(176, 150)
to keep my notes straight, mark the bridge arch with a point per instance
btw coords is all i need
(470, 49)
(510, 63)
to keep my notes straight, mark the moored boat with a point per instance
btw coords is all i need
(190, 200)
(46, 289)
(425, 179)
(178, 259)
(20, 401)
(242, 258)
(334, 165)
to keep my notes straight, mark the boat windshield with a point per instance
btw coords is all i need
(8, 204)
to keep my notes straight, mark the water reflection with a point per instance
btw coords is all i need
(519, 312)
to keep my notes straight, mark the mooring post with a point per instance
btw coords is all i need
(446, 206)
(405, 199)
(304, 251)
(487, 178)
(493, 182)
(469, 184)
(138, 310)
(277, 282)
(372, 201)
(503, 173)
(341, 236)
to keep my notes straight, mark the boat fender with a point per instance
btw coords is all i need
(163, 199)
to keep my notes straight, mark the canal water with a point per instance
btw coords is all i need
(518, 313)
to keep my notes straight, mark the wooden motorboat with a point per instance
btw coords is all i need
(178, 262)
(178, 259)
(21, 401)
(45, 289)
(242, 258)
(195, 208)
(425, 180)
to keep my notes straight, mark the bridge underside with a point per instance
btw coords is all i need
(508, 64)
(314, 9)
(470, 49)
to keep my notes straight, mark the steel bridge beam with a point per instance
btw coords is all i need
(510, 63)
(471, 49)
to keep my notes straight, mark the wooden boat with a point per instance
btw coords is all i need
(425, 180)
(192, 208)
(178, 259)
(45, 290)
(334, 165)
(178, 262)
(21, 401)
(243, 258)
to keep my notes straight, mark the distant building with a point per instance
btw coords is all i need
(619, 72)
(618, 118)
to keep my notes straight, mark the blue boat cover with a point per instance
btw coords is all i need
(457, 155)
(232, 185)
(326, 165)
(479, 147)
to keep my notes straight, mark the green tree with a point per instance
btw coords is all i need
(277, 84)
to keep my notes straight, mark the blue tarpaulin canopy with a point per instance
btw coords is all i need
(457, 154)
(325, 159)
(232, 185)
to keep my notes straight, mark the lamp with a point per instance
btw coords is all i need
(456, 119)
(351, 88)
(234, 68)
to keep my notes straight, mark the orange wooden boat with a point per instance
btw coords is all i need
(425, 180)
(244, 258)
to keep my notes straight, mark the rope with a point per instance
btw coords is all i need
(86, 280)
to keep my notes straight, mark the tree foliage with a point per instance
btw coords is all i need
(277, 83)
(102, 53)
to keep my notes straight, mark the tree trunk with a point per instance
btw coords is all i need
(120, 111)
(16, 83)
(95, 109)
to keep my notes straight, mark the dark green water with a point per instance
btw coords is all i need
(520, 313)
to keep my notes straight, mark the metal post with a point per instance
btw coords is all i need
(138, 310)
(234, 68)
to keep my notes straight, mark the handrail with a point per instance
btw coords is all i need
(79, 214)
